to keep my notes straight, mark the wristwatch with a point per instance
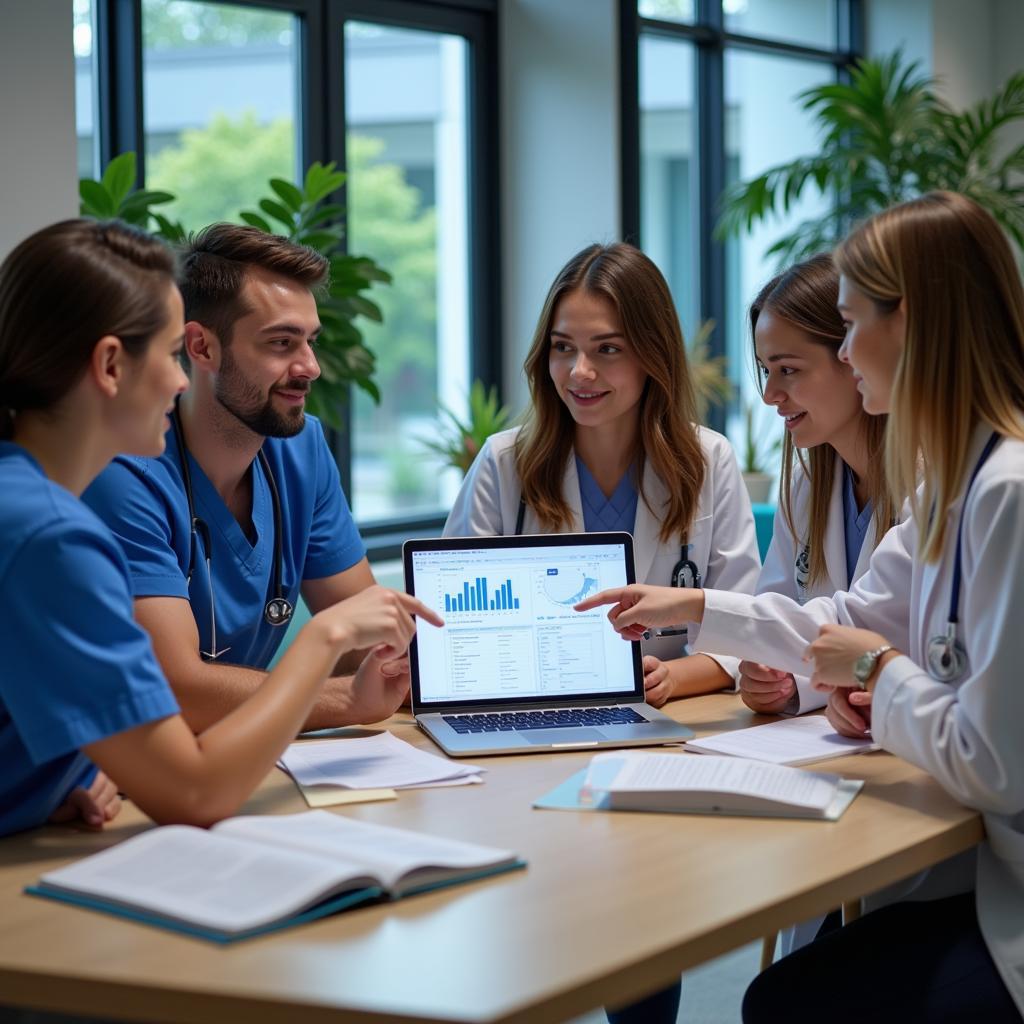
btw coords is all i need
(864, 666)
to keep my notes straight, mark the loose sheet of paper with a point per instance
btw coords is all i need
(374, 762)
(791, 741)
(682, 773)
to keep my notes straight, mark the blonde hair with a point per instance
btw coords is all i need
(962, 362)
(805, 296)
(667, 410)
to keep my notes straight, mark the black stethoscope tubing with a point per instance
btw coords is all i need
(278, 610)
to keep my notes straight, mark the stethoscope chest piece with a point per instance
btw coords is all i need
(947, 658)
(278, 611)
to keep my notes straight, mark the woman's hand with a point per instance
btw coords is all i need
(640, 607)
(765, 690)
(849, 712)
(95, 805)
(657, 681)
(376, 617)
(836, 651)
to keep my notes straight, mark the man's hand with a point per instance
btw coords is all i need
(378, 688)
(765, 690)
(95, 806)
(657, 681)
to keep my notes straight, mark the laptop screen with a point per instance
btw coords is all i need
(511, 634)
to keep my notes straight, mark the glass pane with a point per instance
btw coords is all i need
(220, 112)
(667, 10)
(668, 171)
(85, 89)
(808, 22)
(405, 95)
(764, 126)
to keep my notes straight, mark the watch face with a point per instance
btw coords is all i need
(863, 667)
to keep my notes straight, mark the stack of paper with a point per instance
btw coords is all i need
(342, 770)
(791, 741)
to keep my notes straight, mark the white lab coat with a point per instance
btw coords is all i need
(722, 540)
(966, 734)
(785, 564)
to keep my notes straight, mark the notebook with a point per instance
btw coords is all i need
(515, 669)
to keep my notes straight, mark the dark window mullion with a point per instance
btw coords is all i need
(711, 182)
(119, 71)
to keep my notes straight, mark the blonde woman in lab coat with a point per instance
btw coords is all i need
(610, 442)
(834, 504)
(934, 307)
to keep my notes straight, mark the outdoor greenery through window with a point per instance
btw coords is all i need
(219, 100)
(405, 96)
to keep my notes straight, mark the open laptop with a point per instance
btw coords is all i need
(515, 669)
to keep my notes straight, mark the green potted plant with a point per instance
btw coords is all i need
(886, 136)
(302, 213)
(459, 441)
(755, 456)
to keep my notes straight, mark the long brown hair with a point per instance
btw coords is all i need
(64, 288)
(805, 296)
(962, 362)
(667, 410)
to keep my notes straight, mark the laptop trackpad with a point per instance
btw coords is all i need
(548, 736)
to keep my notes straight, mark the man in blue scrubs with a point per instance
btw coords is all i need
(250, 336)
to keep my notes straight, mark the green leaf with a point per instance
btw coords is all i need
(140, 202)
(323, 241)
(278, 212)
(366, 308)
(96, 200)
(329, 211)
(167, 229)
(254, 220)
(288, 193)
(119, 177)
(321, 181)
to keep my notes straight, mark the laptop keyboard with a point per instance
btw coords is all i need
(515, 721)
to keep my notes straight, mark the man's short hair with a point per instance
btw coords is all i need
(213, 266)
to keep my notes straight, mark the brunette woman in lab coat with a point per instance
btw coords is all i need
(932, 297)
(834, 505)
(611, 442)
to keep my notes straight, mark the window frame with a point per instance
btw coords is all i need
(711, 41)
(322, 135)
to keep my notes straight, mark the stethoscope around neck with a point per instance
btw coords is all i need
(947, 657)
(278, 610)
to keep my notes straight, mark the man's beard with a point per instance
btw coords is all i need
(244, 401)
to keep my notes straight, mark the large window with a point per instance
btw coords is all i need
(405, 96)
(217, 98)
(713, 99)
(219, 105)
(85, 88)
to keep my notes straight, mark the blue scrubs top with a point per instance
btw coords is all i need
(603, 514)
(855, 524)
(76, 667)
(143, 501)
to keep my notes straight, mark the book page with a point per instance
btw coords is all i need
(727, 775)
(391, 854)
(208, 879)
(790, 741)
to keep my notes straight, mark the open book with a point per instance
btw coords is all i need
(251, 875)
(684, 783)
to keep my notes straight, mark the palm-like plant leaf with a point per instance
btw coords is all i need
(886, 137)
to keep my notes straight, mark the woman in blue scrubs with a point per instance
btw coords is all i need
(91, 327)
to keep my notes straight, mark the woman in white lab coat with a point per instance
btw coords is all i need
(934, 305)
(610, 442)
(834, 504)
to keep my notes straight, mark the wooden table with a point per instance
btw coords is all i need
(611, 907)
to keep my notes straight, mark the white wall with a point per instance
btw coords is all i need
(37, 118)
(560, 152)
